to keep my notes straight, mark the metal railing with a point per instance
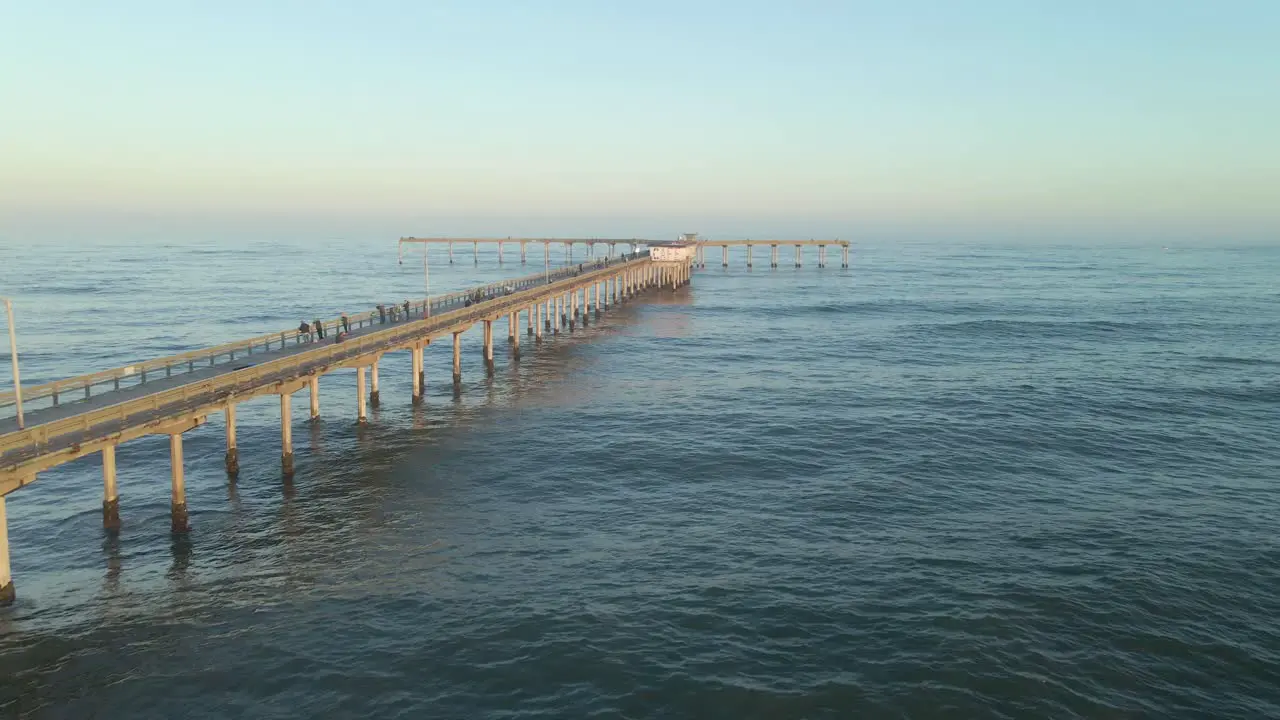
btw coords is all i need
(58, 392)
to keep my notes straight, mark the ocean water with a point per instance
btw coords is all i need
(955, 480)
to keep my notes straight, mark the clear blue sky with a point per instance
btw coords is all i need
(1088, 116)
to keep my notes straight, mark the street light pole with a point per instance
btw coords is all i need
(13, 354)
(426, 279)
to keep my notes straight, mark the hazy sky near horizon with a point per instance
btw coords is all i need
(1094, 115)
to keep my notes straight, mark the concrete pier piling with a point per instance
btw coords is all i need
(514, 320)
(374, 399)
(362, 415)
(233, 455)
(415, 355)
(177, 487)
(457, 360)
(110, 498)
(529, 316)
(7, 594)
(286, 434)
(488, 346)
(537, 321)
(421, 354)
(313, 389)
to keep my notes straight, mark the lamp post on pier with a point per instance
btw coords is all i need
(426, 279)
(13, 354)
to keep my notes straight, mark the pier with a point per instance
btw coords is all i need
(609, 247)
(58, 422)
(95, 413)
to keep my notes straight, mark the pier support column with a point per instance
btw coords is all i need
(586, 305)
(488, 346)
(797, 256)
(475, 252)
(233, 455)
(374, 400)
(573, 309)
(110, 500)
(537, 321)
(499, 252)
(313, 386)
(773, 256)
(286, 434)
(522, 252)
(724, 256)
(845, 257)
(362, 417)
(177, 487)
(515, 335)
(7, 595)
(421, 352)
(457, 360)
(415, 354)
(749, 256)
(513, 320)
(529, 316)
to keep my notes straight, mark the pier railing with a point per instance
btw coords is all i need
(57, 392)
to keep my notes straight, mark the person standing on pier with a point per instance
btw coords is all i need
(304, 331)
(346, 324)
(319, 328)
(406, 309)
(382, 314)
